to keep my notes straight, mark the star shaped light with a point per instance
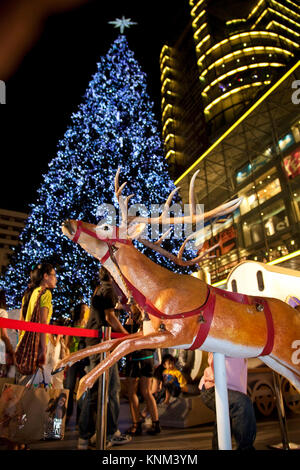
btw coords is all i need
(122, 23)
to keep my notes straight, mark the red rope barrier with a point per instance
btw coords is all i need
(52, 329)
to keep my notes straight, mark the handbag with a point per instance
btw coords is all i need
(22, 412)
(56, 413)
(26, 357)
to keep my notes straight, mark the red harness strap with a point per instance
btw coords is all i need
(108, 241)
(270, 326)
(206, 310)
(250, 300)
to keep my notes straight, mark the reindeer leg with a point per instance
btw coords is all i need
(133, 343)
(91, 350)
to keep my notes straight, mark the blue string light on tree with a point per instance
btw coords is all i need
(113, 126)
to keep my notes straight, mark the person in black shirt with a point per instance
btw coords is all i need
(102, 313)
(139, 373)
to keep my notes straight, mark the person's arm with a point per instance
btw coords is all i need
(43, 349)
(6, 341)
(114, 322)
(52, 339)
(67, 341)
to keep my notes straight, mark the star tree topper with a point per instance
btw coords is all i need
(122, 23)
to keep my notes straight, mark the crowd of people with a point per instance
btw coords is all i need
(146, 380)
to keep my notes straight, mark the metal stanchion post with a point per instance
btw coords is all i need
(281, 411)
(286, 444)
(222, 407)
(101, 422)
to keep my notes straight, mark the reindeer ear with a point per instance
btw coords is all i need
(134, 231)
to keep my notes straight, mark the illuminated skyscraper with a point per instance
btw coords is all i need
(230, 108)
(237, 57)
(240, 48)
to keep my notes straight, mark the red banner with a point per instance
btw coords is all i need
(52, 329)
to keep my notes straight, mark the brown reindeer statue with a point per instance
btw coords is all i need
(182, 311)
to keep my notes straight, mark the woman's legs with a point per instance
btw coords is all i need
(132, 386)
(145, 387)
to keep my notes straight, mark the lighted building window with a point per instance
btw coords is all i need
(291, 164)
(264, 188)
(274, 221)
(296, 131)
(249, 201)
(269, 191)
(296, 202)
(244, 172)
(286, 141)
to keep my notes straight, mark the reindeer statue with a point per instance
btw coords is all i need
(182, 311)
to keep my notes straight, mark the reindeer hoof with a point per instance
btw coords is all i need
(56, 371)
(81, 391)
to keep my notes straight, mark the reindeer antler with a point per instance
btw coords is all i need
(178, 259)
(164, 219)
(192, 218)
(122, 200)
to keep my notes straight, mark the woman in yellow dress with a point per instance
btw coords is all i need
(42, 277)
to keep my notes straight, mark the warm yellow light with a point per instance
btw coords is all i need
(164, 51)
(193, 11)
(237, 20)
(171, 93)
(166, 58)
(255, 8)
(168, 121)
(231, 92)
(294, 4)
(261, 16)
(200, 44)
(247, 50)
(284, 258)
(241, 119)
(243, 36)
(241, 69)
(194, 23)
(168, 108)
(283, 16)
(282, 27)
(285, 8)
(170, 153)
(166, 70)
(196, 34)
(165, 83)
(169, 136)
(219, 283)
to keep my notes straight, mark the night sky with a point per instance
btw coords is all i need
(50, 80)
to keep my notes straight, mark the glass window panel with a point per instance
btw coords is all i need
(269, 191)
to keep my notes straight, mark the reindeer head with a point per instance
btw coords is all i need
(100, 240)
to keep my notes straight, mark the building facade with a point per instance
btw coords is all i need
(11, 225)
(248, 105)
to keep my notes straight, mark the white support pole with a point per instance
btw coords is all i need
(222, 407)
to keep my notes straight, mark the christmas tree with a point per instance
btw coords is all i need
(113, 127)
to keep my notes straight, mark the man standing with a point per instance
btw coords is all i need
(241, 411)
(102, 313)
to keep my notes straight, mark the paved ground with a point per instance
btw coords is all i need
(175, 439)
